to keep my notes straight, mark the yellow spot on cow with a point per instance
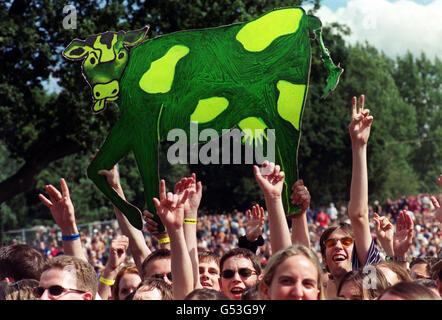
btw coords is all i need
(208, 109)
(257, 35)
(253, 128)
(107, 54)
(290, 101)
(159, 77)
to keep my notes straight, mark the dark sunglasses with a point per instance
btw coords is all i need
(346, 242)
(161, 276)
(53, 291)
(243, 272)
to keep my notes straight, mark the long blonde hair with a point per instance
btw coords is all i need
(279, 257)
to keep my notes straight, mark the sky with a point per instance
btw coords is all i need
(393, 26)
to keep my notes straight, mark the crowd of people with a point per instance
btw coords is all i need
(356, 251)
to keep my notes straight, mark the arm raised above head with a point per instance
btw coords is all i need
(359, 129)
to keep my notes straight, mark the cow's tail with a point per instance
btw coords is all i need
(334, 72)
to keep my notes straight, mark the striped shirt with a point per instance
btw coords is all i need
(372, 257)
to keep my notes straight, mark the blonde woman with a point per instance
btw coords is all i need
(293, 273)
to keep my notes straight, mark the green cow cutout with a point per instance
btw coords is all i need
(248, 75)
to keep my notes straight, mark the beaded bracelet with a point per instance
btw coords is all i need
(71, 237)
(399, 259)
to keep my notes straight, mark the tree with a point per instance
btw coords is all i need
(419, 83)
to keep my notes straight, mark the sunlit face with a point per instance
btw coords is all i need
(295, 279)
(148, 293)
(65, 279)
(419, 271)
(128, 284)
(338, 256)
(234, 287)
(161, 267)
(351, 291)
(209, 274)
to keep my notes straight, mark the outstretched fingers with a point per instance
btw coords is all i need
(435, 202)
(361, 103)
(64, 188)
(162, 189)
(45, 200)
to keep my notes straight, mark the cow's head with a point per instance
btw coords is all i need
(105, 57)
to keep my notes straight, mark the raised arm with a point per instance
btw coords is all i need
(63, 212)
(300, 196)
(359, 129)
(137, 243)
(117, 255)
(170, 209)
(271, 180)
(438, 209)
(403, 238)
(151, 226)
(194, 194)
(255, 223)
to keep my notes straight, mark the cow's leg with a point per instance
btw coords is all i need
(286, 149)
(117, 144)
(146, 154)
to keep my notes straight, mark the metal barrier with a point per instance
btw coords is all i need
(33, 236)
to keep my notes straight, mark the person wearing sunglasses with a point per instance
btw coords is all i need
(240, 268)
(346, 247)
(158, 265)
(67, 278)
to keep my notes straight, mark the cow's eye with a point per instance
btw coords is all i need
(121, 55)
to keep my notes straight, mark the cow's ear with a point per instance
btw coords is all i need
(133, 38)
(76, 50)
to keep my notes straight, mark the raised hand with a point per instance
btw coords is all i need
(61, 207)
(194, 194)
(270, 179)
(385, 232)
(255, 222)
(403, 236)
(170, 207)
(437, 207)
(300, 195)
(383, 227)
(360, 124)
(112, 177)
(117, 252)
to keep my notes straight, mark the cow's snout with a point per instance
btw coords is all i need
(106, 90)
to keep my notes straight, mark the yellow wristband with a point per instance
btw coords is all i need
(164, 240)
(190, 221)
(107, 281)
